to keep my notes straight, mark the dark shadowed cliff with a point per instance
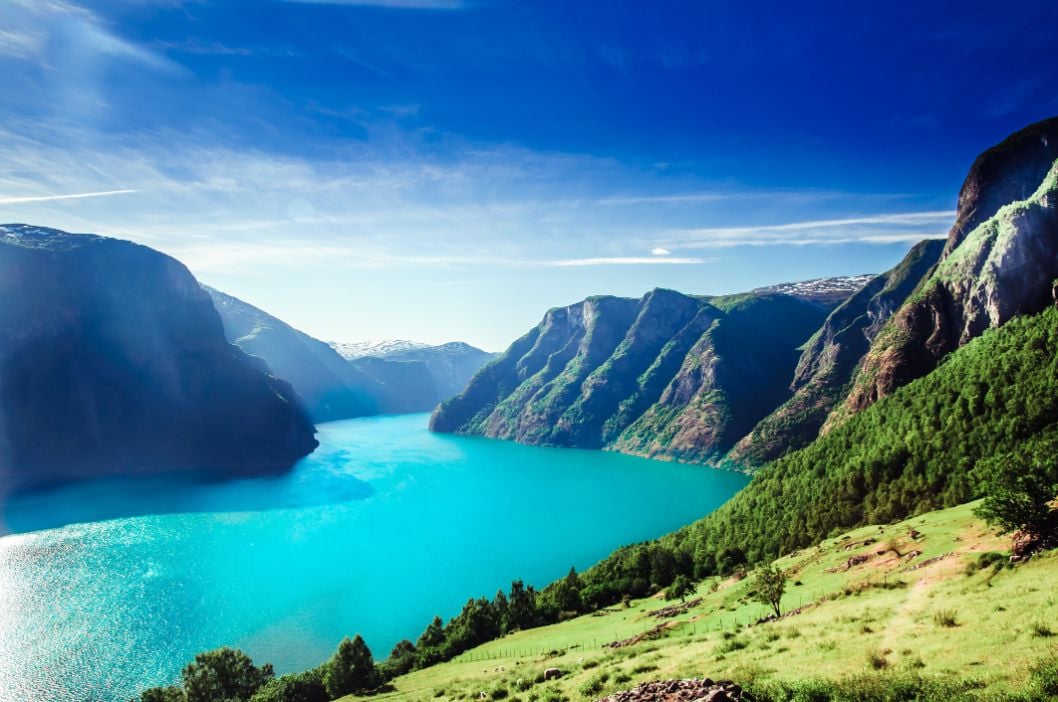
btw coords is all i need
(113, 361)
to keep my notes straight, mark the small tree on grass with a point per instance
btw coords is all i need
(352, 669)
(1018, 499)
(769, 584)
(679, 589)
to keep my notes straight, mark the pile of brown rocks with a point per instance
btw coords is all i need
(689, 690)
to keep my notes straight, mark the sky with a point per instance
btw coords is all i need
(442, 170)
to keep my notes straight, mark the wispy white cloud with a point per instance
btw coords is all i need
(880, 228)
(630, 261)
(659, 251)
(64, 35)
(70, 196)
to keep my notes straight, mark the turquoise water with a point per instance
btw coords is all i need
(111, 586)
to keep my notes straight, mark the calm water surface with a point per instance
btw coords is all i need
(111, 586)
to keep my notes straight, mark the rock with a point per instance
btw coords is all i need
(1000, 260)
(113, 362)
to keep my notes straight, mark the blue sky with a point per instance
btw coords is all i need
(449, 169)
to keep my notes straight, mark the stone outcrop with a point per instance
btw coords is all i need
(687, 690)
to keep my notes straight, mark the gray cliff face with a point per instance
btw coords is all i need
(1000, 261)
(113, 361)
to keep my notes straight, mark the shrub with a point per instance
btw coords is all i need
(595, 685)
(498, 693)
(1041, 630)
(877, 659)
(945, 618)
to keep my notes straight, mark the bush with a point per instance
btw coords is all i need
(595, 685)
(300, 687)
(877, 659)
(945, 618)
(1041, 630)
(498, 693)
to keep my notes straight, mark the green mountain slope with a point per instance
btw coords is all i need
(913, 451)
(667, 375)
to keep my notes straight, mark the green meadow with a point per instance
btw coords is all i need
(932, 597)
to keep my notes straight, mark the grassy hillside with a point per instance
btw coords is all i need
(917, 607)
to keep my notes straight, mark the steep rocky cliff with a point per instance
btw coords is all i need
(667, 375)
(826, 367)
(113, 361)
(1000, 260)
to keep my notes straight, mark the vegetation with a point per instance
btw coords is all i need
(679, 589)
(769, 584)
(1020, 489)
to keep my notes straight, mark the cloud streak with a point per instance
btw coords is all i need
(873, 229)
(72, 196)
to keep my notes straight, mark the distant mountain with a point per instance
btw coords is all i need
(667, 375)
(327, 385)
(830, 290)
(351, 351)
(450, 366)
(113, 361)
(388, 378)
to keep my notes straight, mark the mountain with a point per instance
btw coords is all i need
(667, 375)
(352, 350)
(325, 382)
(1000, 260)
(396, 378)
(113, 361)
(824, 372)
(450, 366)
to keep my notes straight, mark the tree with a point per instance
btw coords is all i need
(402, 659)
(351, 669)
(173, 693)
(501, 611)
(768, 586)
(521, 607)
(224, 674)
(1018, 497)
(679, 589)
(299, 687)
(434, 635)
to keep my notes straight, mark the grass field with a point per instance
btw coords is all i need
(912, 604)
